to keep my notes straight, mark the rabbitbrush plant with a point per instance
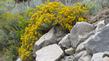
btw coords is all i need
(49, 14)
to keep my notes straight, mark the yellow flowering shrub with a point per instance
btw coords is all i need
(51, 14)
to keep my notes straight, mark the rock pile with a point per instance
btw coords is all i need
(85, 42)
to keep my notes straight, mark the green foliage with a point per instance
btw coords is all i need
(11, 26)
(10, 53)
(6, 5)
(96, 5)
(8, 38)
(3, 39)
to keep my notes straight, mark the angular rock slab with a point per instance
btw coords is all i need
(49, 53)
(53, 36)
(82, 56)
(99, 42)
(80, 30)
(85, 58)
(49, 38)
(83, 41)
(65, 42)
(101, 56)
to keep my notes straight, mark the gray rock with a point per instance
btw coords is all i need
(101, 56)
(49, 53)
(53, 36)
(68, 58)
(100, 25)
(18, 59)
(78, 34)
(106, 59)
(106, 20)
(82, 28)
(85, 58)
(99, 42)
(69, 51)
(82, 56)
(83, 41)
(79, 30)
(65, 42)
(81, 47)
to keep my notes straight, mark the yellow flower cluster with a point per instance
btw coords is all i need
(51, 13)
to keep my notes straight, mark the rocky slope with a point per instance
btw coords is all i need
(85, 42)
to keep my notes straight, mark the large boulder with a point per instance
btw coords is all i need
(80, 30)
(49, 53)
(99, 25)
(53, 36)
(99, 42)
